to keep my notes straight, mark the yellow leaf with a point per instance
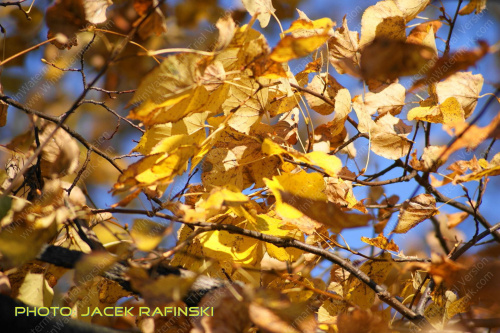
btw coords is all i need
(296, 47)
(271, 226)
(172, 91)
(21, 239)
(223, 246)
(324, 23)
(169, 158)
(35, 290)
(461, 305)
(430, 114)
(414, 211)
(92, 265)
(330, 309)
(147, 234)
(359, 293)
(381, 242)
(463, 86)
(382, 20)
(296, 292)
(302, 194)
(451, 110)
(329, 163)
(224, 196)
(489, 169)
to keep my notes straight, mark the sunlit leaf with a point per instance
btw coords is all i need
(414, 211)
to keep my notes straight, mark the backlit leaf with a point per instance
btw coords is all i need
(415, 211)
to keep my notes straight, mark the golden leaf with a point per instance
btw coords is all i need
(358, 292)
(381, 242)
(291, 47)
(147, 234)
(464, 87)
(382, 20)
(414, 211)
(474, 5)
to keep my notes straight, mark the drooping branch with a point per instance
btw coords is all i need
(381, 292)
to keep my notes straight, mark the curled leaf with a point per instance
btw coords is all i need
(414, 211)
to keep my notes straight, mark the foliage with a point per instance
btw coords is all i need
(243, 178)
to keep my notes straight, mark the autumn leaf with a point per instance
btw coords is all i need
(386, 98)
(64, 19)
(384, 20)
(331, 164)
(388, 59)
(425, 34)
(381, 242)
(359, 293)
(263, 8)
(272, 226)
(464, 86)
(452, 63)
(291, 47)
(450, 111)
(173, 86)
(476, 6)
(329, 87)
(147, 234)
(297, 195)
(387, 135)
(414, 211)
(343, 49)
(491, 168)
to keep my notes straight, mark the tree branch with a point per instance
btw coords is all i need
(381, 292)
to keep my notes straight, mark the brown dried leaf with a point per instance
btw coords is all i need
(411, 8)
(60, 156)
(463, 86)
(334, 91)
(451, 63)
(343, 50)
(387, 59)
(95, 10)
(64, 18)
(470, 136)
(387, 135)
(425, 34)
(474, 5)
(154, 23)
(384, 20)
(414, 211)
(456, 218)
(386, 98)
(262, 8)
(227, 29)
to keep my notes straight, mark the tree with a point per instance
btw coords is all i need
(243, 180)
